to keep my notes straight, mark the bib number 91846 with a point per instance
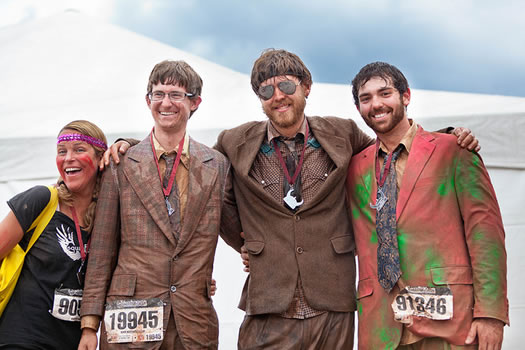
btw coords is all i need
(434, 303)
(134, 320)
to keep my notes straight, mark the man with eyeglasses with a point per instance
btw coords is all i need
(289, 187)
(154, 238)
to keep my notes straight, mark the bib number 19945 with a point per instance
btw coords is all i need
(134, 320)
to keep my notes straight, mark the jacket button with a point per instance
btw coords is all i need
(173, 289)
(297, 218)
(300, 250)
(175, 258)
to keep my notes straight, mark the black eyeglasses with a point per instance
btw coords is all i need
(175, 96)
(288, 87)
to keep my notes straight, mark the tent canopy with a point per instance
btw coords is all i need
(70, 66)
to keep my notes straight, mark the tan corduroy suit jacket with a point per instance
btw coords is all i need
(315, 242)
(134, 253)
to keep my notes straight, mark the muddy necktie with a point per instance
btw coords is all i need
(388, 268)
(173, 199)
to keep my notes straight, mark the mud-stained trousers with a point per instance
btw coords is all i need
(328, 331)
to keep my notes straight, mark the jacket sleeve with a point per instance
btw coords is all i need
(485, 236)
(104, 245)
(230, 221)
(359, 139)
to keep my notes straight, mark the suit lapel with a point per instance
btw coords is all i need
(420, 152)
(246, 151)
(202, 178)
(337, 149)
(143, 177)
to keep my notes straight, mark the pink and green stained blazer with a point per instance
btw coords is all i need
(450, 233)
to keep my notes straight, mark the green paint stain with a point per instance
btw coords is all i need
(492, 287)
(407, 268)
(373, 237)
(469, 179)
(446, 186)
(359, 308)
(433, 260)
(478, 236)
(362, 193)
(386, 335)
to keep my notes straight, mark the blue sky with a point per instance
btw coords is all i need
(469, 46)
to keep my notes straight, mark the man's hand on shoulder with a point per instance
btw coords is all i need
(489, 332)
(114, 151)
(466, 139)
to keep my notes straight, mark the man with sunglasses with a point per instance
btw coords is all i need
(288, 177)
(289, 187)
(154, 239)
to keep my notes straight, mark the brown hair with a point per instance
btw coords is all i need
(385, 71)
(273, 63)
(87, 128)
(176, 72)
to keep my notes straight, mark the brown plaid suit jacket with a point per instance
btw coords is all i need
(315, 242)
(134, 253)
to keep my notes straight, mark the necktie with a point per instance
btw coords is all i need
(388, 268)
(173, 199)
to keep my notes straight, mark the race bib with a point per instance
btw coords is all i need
(129, 321)
(434, 303)
(66, 304)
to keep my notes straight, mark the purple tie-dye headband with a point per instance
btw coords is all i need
(81, 137)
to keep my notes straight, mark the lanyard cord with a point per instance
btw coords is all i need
(167, 190)
(291, 181)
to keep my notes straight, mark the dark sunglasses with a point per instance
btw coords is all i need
(288, 87)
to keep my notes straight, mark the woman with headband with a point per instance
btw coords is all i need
(43, 312)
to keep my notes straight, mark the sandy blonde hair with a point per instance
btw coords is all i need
(87, 128)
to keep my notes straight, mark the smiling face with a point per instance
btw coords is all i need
(286, 112)
(168, 115)
(381, 105)
(77, 164)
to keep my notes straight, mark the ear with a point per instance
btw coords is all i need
(306, 89)
(194, 103)
(148, 101)
(406, 97)
(357, 107)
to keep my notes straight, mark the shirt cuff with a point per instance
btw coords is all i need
(90, 321)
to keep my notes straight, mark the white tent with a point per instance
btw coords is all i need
(70, 66)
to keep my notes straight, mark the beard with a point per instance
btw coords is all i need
(289, 118)
(398, 113)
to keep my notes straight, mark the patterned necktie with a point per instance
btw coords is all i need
(173, 199)
(388, 268)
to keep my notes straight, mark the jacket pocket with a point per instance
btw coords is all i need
(451, 275)
(254, 247)
(123, 285)
(343, 244)
(365, 288)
